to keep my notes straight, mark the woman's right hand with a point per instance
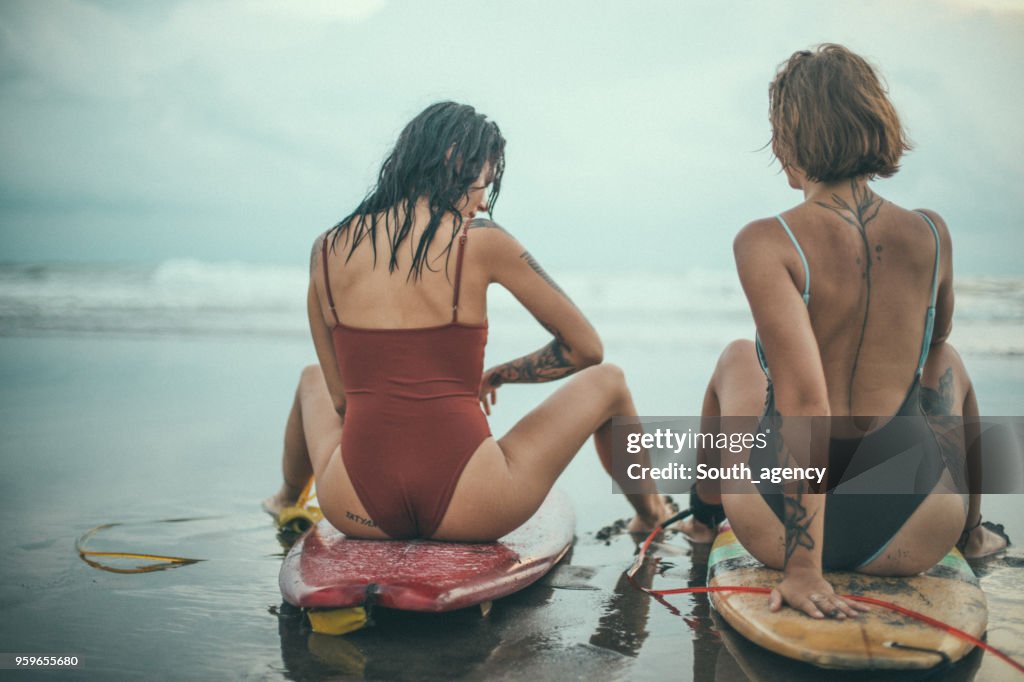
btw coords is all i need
(808, 591)
(489, 384)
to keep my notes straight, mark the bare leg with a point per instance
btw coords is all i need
(296, 465)
(927, 534)
(506, 481)
(948, 387)
(503, 484)
(738, 380)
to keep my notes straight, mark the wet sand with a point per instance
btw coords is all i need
(142, 430)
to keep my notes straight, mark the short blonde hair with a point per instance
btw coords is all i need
(831, 117)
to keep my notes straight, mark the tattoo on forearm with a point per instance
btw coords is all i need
(797, 525)
(547, 364)
(866, 206)
(359, 519)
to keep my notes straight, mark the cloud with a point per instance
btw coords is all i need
(993, 6)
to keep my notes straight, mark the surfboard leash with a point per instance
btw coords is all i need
(158, 562)
(910, 613)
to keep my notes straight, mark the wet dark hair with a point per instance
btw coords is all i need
(439, 155)
(831, 117)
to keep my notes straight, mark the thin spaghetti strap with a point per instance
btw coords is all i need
(458, 274)
(929, 320)
(803, 259)
(761, 359)
(327, 280)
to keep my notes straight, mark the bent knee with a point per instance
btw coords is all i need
(944, 364)
(311, 376)
(609, 376)
(736, 352)
(942, 357)
(738, 361)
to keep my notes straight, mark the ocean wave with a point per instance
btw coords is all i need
(644, 308)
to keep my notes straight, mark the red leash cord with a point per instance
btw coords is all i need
(927, 620)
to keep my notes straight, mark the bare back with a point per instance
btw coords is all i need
(871, 266)
(369, 295)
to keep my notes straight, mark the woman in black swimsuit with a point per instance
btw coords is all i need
(852, 297)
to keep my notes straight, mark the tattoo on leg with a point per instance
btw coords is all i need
(948, 428)
(796, 524)
(939, 402)
(359, 519)
(866, 206)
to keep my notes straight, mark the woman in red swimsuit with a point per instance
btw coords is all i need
(390, 421)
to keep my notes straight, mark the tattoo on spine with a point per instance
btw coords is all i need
(796, 523)
(359, 519)
(866, 206)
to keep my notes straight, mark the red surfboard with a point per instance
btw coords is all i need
(327, 570)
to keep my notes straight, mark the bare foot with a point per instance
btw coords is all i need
(274, 504)
(645, 523)
(695, 531)
(984, 541)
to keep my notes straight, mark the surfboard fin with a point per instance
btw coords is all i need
(337, 621)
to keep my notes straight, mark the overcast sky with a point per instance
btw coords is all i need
(222, 130)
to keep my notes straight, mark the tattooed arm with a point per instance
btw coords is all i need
(772, 277)
(575, 343)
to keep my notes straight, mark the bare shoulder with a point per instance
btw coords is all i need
(492, 240)
(316, 252)
(486, 229)
(485, 224)
(937, 221)
(756, 236)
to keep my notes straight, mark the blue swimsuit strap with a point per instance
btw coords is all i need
(929, 320)
(807, 289)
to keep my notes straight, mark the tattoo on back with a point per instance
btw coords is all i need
(797, 524)
(866, 206)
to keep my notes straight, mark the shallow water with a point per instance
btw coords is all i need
(102, 428)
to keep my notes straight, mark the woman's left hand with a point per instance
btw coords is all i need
(489, 384)
(811, 593)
